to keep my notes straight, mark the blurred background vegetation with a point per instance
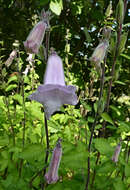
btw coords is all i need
(76, 29)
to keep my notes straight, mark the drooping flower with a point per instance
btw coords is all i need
(116, 153)
(52, 175)
(54, 93)
(99, 54)
(35, 37)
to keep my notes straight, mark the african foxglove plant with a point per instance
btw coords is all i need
(52, 175)
(54, 92)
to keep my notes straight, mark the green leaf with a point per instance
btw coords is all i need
(10, 87)
(119, 185)
(127, 170)
(107, 118)
(115, 109)
(126, 56)
(120, 11)
(32, 151)
(74, 156)
(103, 146)
(105, 167)
(19, 98)
(88, 37)
(123, 42)
(56, 6)
(119, 82)
(13, 78)
(4, 140)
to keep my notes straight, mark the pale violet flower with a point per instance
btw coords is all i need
(116, 153)
(35, 37)
(54, 92)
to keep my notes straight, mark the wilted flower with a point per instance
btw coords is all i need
(116, 153)
(35, 37)
(52, 175)
(99, 54)
(54, 93)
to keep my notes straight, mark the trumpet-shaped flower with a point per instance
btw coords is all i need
(54, 93)
(52, 175)
(35, 38)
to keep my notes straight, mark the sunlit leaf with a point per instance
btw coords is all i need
(107, 118)
(56, 6)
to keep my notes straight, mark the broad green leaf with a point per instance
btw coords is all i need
(4, 140)
(103, 146)
(10, 87)
(56, 6)
(74, 156)
(32, 151)
(107, 118)
(118, 184)
(106, 167)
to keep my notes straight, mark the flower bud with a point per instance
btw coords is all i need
(35, 38)
(116, 153)
(99, 53)
(12, 56)
(52, 175)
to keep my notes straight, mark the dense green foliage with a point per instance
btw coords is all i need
(76, 29)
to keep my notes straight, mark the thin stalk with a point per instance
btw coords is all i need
(45, 120)
(9, 118)
(114, 62)
(94, 173)
(94, 123)
(23, 123)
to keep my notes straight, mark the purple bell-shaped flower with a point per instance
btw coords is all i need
(54, 93)
(35, 37)
(52, 175)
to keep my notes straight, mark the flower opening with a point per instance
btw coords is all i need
(54, 93)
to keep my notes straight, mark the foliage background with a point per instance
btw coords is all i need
(75, 32)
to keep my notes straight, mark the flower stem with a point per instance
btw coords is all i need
(45, 120)
(114, 63)
(95, 121)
